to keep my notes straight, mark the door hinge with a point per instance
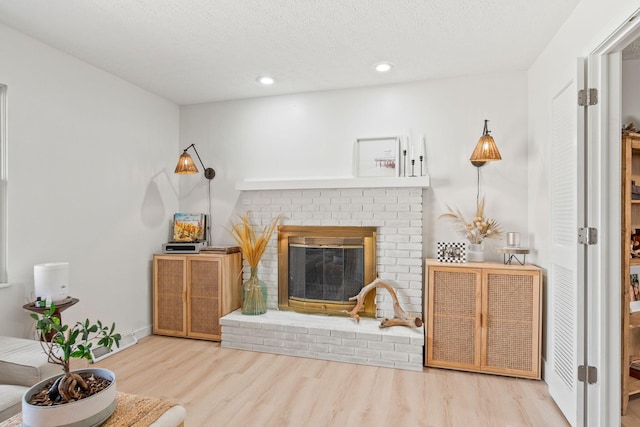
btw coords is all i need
(587, 97)
(587, 235)
(587, 374)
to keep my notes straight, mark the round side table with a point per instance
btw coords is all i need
(60, 307)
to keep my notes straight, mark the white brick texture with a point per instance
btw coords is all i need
(397, 212)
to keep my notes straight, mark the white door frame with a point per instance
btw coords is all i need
(603, 212)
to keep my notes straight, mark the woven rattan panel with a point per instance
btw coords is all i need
(204, 278)
(454, 322)
(204, 316)
(170, 282)
(204, 297)
(510, 321)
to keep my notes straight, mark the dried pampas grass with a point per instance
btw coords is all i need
(252, 245)
(478, 229)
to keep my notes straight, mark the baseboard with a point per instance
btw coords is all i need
(100, 352)
(143, 332)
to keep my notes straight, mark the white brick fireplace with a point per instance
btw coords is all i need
(396, 211)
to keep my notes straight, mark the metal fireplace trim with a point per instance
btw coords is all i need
(296, 232)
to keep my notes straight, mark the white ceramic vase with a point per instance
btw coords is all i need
(87, 412)
(476, 252)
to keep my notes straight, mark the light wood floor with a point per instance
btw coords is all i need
(632, 417)
(224, 387)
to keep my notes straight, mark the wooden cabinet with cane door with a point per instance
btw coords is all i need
(484, 317)
(192, 292)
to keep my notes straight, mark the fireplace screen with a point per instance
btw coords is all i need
(320, 268)
(333, 272)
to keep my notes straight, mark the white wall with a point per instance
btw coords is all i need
(312, 135)
(631, 92)
(90, 162)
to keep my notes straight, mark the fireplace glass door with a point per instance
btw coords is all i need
(321, 267)
(331, 273)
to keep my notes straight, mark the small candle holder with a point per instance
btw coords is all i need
(513, 239)
(404, 162)
(413, 163)
(421, 169)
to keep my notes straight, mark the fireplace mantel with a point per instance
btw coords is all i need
(346, 182)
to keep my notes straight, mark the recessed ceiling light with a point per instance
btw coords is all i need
(383, 67)
(265, 80)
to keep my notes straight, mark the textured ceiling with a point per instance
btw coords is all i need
(194, 51)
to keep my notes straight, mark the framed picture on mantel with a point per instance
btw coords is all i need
(376, 156)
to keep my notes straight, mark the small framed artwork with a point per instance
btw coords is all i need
(377, 157)
(452, 252)
(189, 227)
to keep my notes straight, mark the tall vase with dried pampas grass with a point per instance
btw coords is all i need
(476, 230)
(252, 245)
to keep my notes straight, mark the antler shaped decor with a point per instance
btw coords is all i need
(400, 317)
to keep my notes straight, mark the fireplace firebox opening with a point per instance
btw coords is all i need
(320, 268)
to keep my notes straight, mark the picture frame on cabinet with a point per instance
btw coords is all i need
(377, 157)
(452, 251)
(188, 227)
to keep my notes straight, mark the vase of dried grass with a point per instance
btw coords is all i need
(254, 294)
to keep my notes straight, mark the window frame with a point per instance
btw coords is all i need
(3, 185)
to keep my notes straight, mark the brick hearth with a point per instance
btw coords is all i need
(335, 338)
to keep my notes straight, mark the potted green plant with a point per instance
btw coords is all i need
(86, 396)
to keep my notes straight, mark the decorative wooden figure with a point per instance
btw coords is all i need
(400, 317)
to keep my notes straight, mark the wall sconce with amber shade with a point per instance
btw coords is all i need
(186, 165)
(486, 149)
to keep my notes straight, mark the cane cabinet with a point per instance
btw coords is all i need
(484, 317)
(630, 263)
(192, 292)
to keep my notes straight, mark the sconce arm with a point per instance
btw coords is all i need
(209, 173)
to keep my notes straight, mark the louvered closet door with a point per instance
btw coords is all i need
(511, 314)
(566, 289)
(169, 296)
(204, 277)
(454, 318)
